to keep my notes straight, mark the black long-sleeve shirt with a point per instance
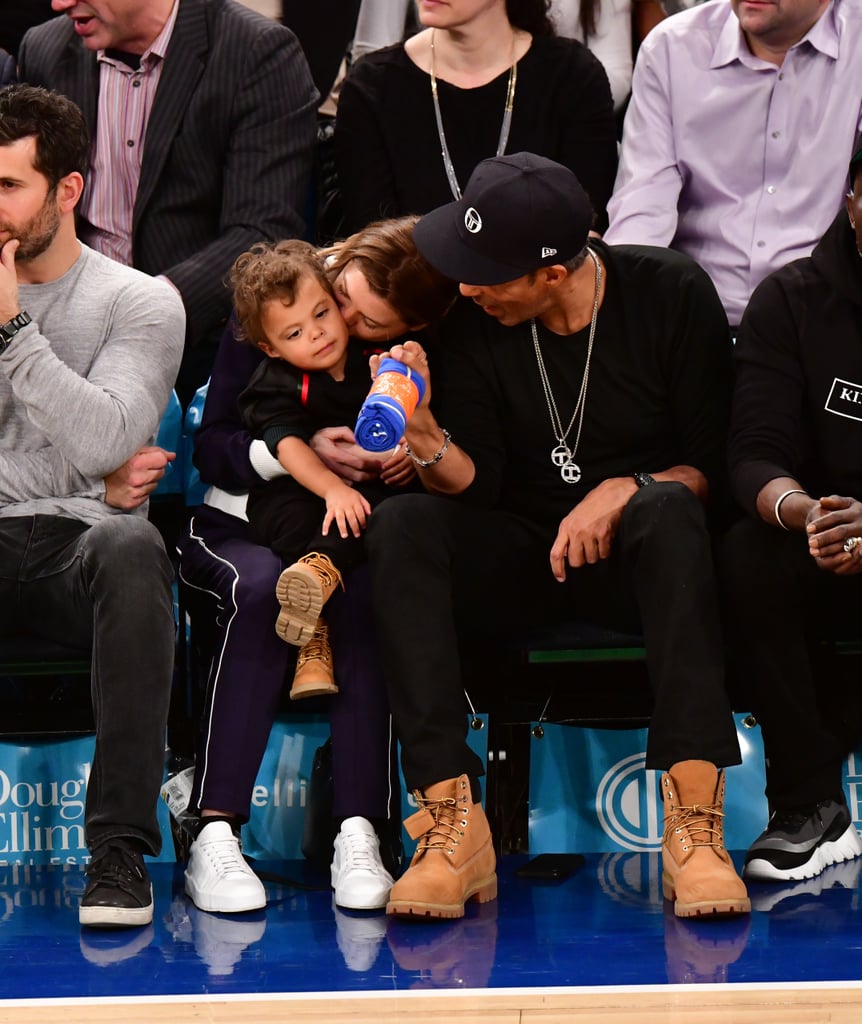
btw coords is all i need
(797, 405)
(388, 150)
(658, 392)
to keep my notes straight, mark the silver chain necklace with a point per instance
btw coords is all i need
(562, 456)
(504, 128)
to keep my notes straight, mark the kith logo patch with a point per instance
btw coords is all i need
(845, 399)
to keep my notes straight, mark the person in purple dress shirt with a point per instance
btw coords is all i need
(742, 119)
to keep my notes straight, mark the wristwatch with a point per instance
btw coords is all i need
(11, 328)
(643, 479)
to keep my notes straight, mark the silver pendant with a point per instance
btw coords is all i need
(561, 455)
(570, 472)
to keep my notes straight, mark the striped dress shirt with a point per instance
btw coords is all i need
(126, 97)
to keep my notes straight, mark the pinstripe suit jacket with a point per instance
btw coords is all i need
(228, 149)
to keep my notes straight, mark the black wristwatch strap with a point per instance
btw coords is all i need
(11, 328)
(643, 479)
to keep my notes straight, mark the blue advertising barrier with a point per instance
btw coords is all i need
(42, 790)
(280, 795)
(590, 791)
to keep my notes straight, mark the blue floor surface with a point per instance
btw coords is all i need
(606, 925)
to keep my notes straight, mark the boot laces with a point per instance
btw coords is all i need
(316, 649)
(445, 833)
(702, 822)
(326, 571)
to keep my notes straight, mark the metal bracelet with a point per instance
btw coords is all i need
(777, 509)
(436, 457)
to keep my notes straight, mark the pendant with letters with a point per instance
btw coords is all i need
(570, 472)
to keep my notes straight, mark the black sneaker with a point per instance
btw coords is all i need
(118, 893)
(800, 844)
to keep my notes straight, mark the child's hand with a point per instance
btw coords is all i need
(347, 509)
(398, 470)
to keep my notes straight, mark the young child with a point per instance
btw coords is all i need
(314, 377)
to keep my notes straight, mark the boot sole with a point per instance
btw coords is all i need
(313, 690)
(484, 892)
(704, 908)
(712, 908)
(301, 600)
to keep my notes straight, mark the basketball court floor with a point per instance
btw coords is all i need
(599, 946)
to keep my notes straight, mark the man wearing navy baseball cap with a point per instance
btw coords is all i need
(520, 213)
(584, 392)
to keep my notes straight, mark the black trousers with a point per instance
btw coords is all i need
(105, 587)
(438, 565)
(779, 605)
(287, 518)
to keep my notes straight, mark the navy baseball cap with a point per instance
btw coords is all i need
(517, 214)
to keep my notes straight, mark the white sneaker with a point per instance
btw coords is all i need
(358, 877)
(217, 876)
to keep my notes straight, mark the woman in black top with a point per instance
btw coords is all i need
(483, 77)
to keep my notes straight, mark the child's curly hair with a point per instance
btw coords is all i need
(271, 271)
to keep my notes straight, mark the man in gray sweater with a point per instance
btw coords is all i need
(89, 351)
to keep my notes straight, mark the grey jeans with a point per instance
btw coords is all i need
(107, 588)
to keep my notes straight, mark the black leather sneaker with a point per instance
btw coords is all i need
(118, 893)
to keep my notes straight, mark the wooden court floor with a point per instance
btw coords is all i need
(708, 1005)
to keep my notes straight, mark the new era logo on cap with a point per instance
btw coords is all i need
(546, 252)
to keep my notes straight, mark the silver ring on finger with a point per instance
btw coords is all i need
(851, 543)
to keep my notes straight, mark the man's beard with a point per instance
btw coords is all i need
(36, 236)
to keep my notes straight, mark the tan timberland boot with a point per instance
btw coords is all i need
(698, 874)
(302, 591)
(314, 676)
(454, 860)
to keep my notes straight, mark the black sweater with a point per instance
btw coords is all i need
(658, 393)
(797, 407)
(388, 149)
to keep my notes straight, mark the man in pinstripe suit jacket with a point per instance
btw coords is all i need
(227, 142)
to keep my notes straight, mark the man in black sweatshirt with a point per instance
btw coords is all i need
(793, 569)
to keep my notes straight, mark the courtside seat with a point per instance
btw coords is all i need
(58, 701)
(580, 641)
(193, 488)
(170, 437)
